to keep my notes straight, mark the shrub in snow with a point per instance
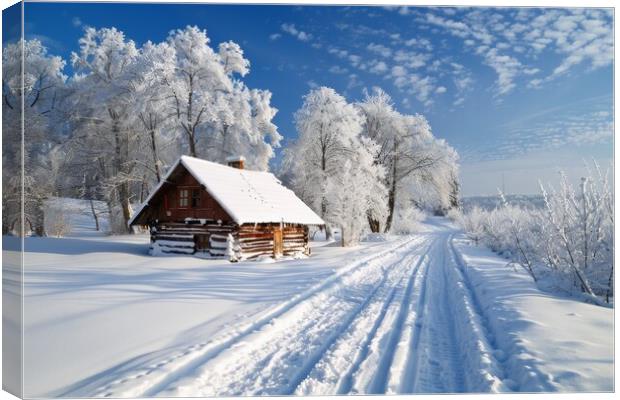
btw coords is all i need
(57, 222)
(407, 220)
(569, 242)
(473, 223)
(232, 249)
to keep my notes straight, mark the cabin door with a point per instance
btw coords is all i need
(278, 246)
(202, 242)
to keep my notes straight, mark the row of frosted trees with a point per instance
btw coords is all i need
(567, 244)
(110, 131)
(365, 166)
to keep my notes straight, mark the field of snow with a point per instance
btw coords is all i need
(424, 313)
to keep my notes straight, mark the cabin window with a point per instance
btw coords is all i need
(183, 198)
(195, 198)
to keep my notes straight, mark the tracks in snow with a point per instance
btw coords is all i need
(402, 321)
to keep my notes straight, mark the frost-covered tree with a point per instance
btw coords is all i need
(197, 79)
(356, 194)
(243, 127)
(218, 114)
(41, 93)
(328, 129)
(153, 65)
(411, 155)
(103, 110)
(232, 58)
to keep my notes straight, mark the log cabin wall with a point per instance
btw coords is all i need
(193, 221)
(258, 239)
(192, 236)
(197, 202)
(211, 238)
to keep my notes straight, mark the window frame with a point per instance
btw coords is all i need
(184, 198)
(195, 191)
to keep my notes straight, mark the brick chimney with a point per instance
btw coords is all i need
(236, 161)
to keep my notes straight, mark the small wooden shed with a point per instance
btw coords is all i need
(217, 210)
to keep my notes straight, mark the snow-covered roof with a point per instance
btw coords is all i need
(247, 196)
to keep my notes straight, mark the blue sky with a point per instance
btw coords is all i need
(520, 93)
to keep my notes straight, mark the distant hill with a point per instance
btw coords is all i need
(492, 202)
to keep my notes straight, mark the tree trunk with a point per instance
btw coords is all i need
(328, 233)
(192, 145)
(95, 216)
(155, 158)
(123, 194)
(374, 224)
(391, 201)
(39, 218)
(328, 229)
(143, 188)
(610, 284)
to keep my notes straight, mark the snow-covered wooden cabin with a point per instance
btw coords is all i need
(214, 209)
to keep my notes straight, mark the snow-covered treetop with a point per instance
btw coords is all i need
(42, 71)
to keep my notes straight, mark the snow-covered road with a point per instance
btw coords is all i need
(404, 320)
(414, 315)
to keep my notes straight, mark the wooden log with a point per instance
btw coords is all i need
(166, 243)
(217, 252)
(174, 238)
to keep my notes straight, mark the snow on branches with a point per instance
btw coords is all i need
(567, 243)
(357, 164)
(128, 111)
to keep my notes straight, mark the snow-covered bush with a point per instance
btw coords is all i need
(473, 223)
(568, 243)
(232, 249)
(57, 222)
(407, 220)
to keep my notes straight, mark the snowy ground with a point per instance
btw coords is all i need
(424, 313)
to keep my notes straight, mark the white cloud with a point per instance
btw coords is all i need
(506, 67)
(580, 36)
(353, 81)
(378, 67)
(398, 71)
(380, 49)
(76, 21)
(411, 59)
(440, 90)
(355, 59)
(336, 69)
(275, 36)
(293, 31)
(340, 53)
(419, 43)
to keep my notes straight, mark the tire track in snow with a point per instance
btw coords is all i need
(286, 352)
(404, 365)
(434, 365)
(334, 373)
(496, 356)
(487, 372)
(381, 376)
(147, 381)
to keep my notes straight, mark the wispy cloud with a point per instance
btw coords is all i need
(583, 123)
(504, 39)
(293, 31)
